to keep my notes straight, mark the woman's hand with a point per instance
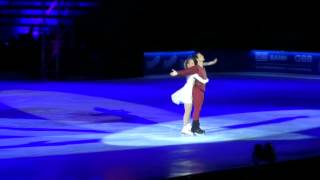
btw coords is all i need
(173, 73)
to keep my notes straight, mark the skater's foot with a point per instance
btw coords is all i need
(186, 130)
(196, 128)
(189, 133)
(199, 131)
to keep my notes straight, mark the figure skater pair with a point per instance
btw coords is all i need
(192, 93)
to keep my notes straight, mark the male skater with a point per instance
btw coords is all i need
(198, 89)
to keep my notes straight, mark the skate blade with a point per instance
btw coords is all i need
(197, 134)
(187, 134)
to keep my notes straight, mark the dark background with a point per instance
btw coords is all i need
(109, 41)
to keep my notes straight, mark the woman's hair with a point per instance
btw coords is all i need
(187, 61)
(195, 55)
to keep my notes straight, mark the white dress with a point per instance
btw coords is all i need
(184, 95)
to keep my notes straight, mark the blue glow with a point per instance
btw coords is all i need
(34, 13)
(39, 3)
(41, 12)
(45, 21)
(119, 115)
(26, 29)
(71, 123)
(180, 53)
(163, 62)
(286, 52)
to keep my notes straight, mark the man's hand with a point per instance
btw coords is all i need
(213, 62)
(173, 73)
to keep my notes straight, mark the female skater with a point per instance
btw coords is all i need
(184, 96)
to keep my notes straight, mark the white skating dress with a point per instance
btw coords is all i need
(184, 95)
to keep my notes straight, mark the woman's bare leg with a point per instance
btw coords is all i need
(187, 113)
